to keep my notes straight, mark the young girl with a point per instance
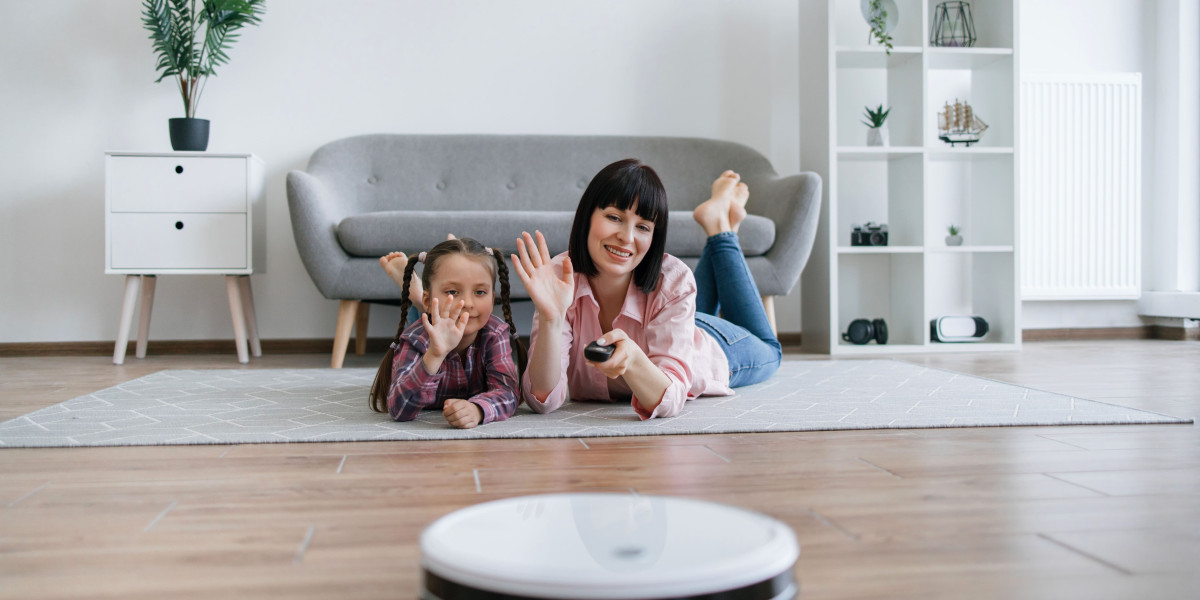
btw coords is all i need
(458, 357)
(628, 293)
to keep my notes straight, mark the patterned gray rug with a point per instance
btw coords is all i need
(330, 405)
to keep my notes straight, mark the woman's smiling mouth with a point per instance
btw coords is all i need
(618, 252)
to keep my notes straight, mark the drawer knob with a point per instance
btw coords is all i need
(178, 168)
(178, 224)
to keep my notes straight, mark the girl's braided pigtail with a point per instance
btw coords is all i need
(513, 339)
(383, 377)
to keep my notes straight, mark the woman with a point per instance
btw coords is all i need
(615, 285)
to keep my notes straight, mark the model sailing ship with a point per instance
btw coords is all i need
(957, 124)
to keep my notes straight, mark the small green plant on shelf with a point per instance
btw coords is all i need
(877, 135)
(878, 25)
(875, 118)
(954, 239)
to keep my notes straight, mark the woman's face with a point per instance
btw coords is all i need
(618, 240)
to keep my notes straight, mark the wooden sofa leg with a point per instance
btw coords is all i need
(360, 328)
(341, 336)
(769, 307)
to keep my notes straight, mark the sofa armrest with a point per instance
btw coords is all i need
(794, 204)
(315, 215)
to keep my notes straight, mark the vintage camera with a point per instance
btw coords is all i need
(871, 234)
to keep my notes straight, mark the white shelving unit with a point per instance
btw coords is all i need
(917, 185)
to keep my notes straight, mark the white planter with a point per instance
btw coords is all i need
(877, 136)
(954, 240)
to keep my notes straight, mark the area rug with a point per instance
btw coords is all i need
(239, 406)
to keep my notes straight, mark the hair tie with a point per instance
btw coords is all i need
(489, 251)
(421, 258)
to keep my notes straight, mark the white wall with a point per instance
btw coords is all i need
(78, 79)
(1095, 36)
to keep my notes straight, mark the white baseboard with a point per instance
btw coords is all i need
(1185, 305)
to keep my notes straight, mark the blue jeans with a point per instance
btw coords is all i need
(726, 287)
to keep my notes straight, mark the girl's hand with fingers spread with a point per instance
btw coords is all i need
(462, 414)
(551, 293)
(625, 353)
(445, 328)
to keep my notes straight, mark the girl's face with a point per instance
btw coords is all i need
(460, 277)
(618, 240)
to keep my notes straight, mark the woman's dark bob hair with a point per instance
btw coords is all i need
(623, 184)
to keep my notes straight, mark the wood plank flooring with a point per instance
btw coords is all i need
(1035, 512)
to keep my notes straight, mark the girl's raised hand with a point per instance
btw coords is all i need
(550, 292)
(445, 327)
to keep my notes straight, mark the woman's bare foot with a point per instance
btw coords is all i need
(714, 214)
(737, 207)
(393, 264)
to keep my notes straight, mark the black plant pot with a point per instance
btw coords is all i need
(189, 134)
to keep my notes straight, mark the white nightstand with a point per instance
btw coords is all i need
(185, 213)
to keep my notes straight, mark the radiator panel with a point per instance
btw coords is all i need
(1081, 187)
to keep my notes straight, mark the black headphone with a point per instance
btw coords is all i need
(862, 331)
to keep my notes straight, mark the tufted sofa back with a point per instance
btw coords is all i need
(386, 172)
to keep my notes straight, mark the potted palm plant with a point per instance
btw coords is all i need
(191, 42)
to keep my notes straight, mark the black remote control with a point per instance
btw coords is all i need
(597, 353)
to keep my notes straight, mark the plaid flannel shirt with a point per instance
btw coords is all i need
(487, 376)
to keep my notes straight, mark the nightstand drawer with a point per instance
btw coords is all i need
(177, 184)
(177, 241)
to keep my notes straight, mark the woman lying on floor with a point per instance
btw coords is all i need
(615, 285)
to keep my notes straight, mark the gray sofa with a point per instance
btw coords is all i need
(364, 196)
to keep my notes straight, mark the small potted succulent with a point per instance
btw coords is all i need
(191, 42)
(877, 134)
(954, 239)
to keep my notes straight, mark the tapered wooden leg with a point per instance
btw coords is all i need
(769, 307)
(146, 305)
(239, 319)
(360, 329)
(251, 319)
(132, 282)
(347, 309)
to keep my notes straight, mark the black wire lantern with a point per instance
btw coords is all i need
(952, 25)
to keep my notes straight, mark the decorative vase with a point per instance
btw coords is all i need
(954, 240)
(889, 7)
(877, 136)
(189, 134)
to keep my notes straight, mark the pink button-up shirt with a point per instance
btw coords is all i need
(662, 323)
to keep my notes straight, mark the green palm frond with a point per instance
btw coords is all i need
(174, 26)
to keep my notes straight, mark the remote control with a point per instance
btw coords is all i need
(597, 353)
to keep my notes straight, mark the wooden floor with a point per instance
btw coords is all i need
(1050, 512)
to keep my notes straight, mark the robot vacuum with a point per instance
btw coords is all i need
(607, 546)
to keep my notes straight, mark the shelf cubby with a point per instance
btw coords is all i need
(882, 286)
(850, 28)
(976, 284)
(988, 88)
(888, 190)
(994, 22)
(975, 194)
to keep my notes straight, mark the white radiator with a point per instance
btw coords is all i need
(1081, 187)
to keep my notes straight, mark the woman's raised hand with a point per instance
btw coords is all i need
(551, 293)
(445, 327)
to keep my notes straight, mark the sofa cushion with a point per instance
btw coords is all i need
(375, 234)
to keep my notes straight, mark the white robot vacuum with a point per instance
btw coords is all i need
(607, 546)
